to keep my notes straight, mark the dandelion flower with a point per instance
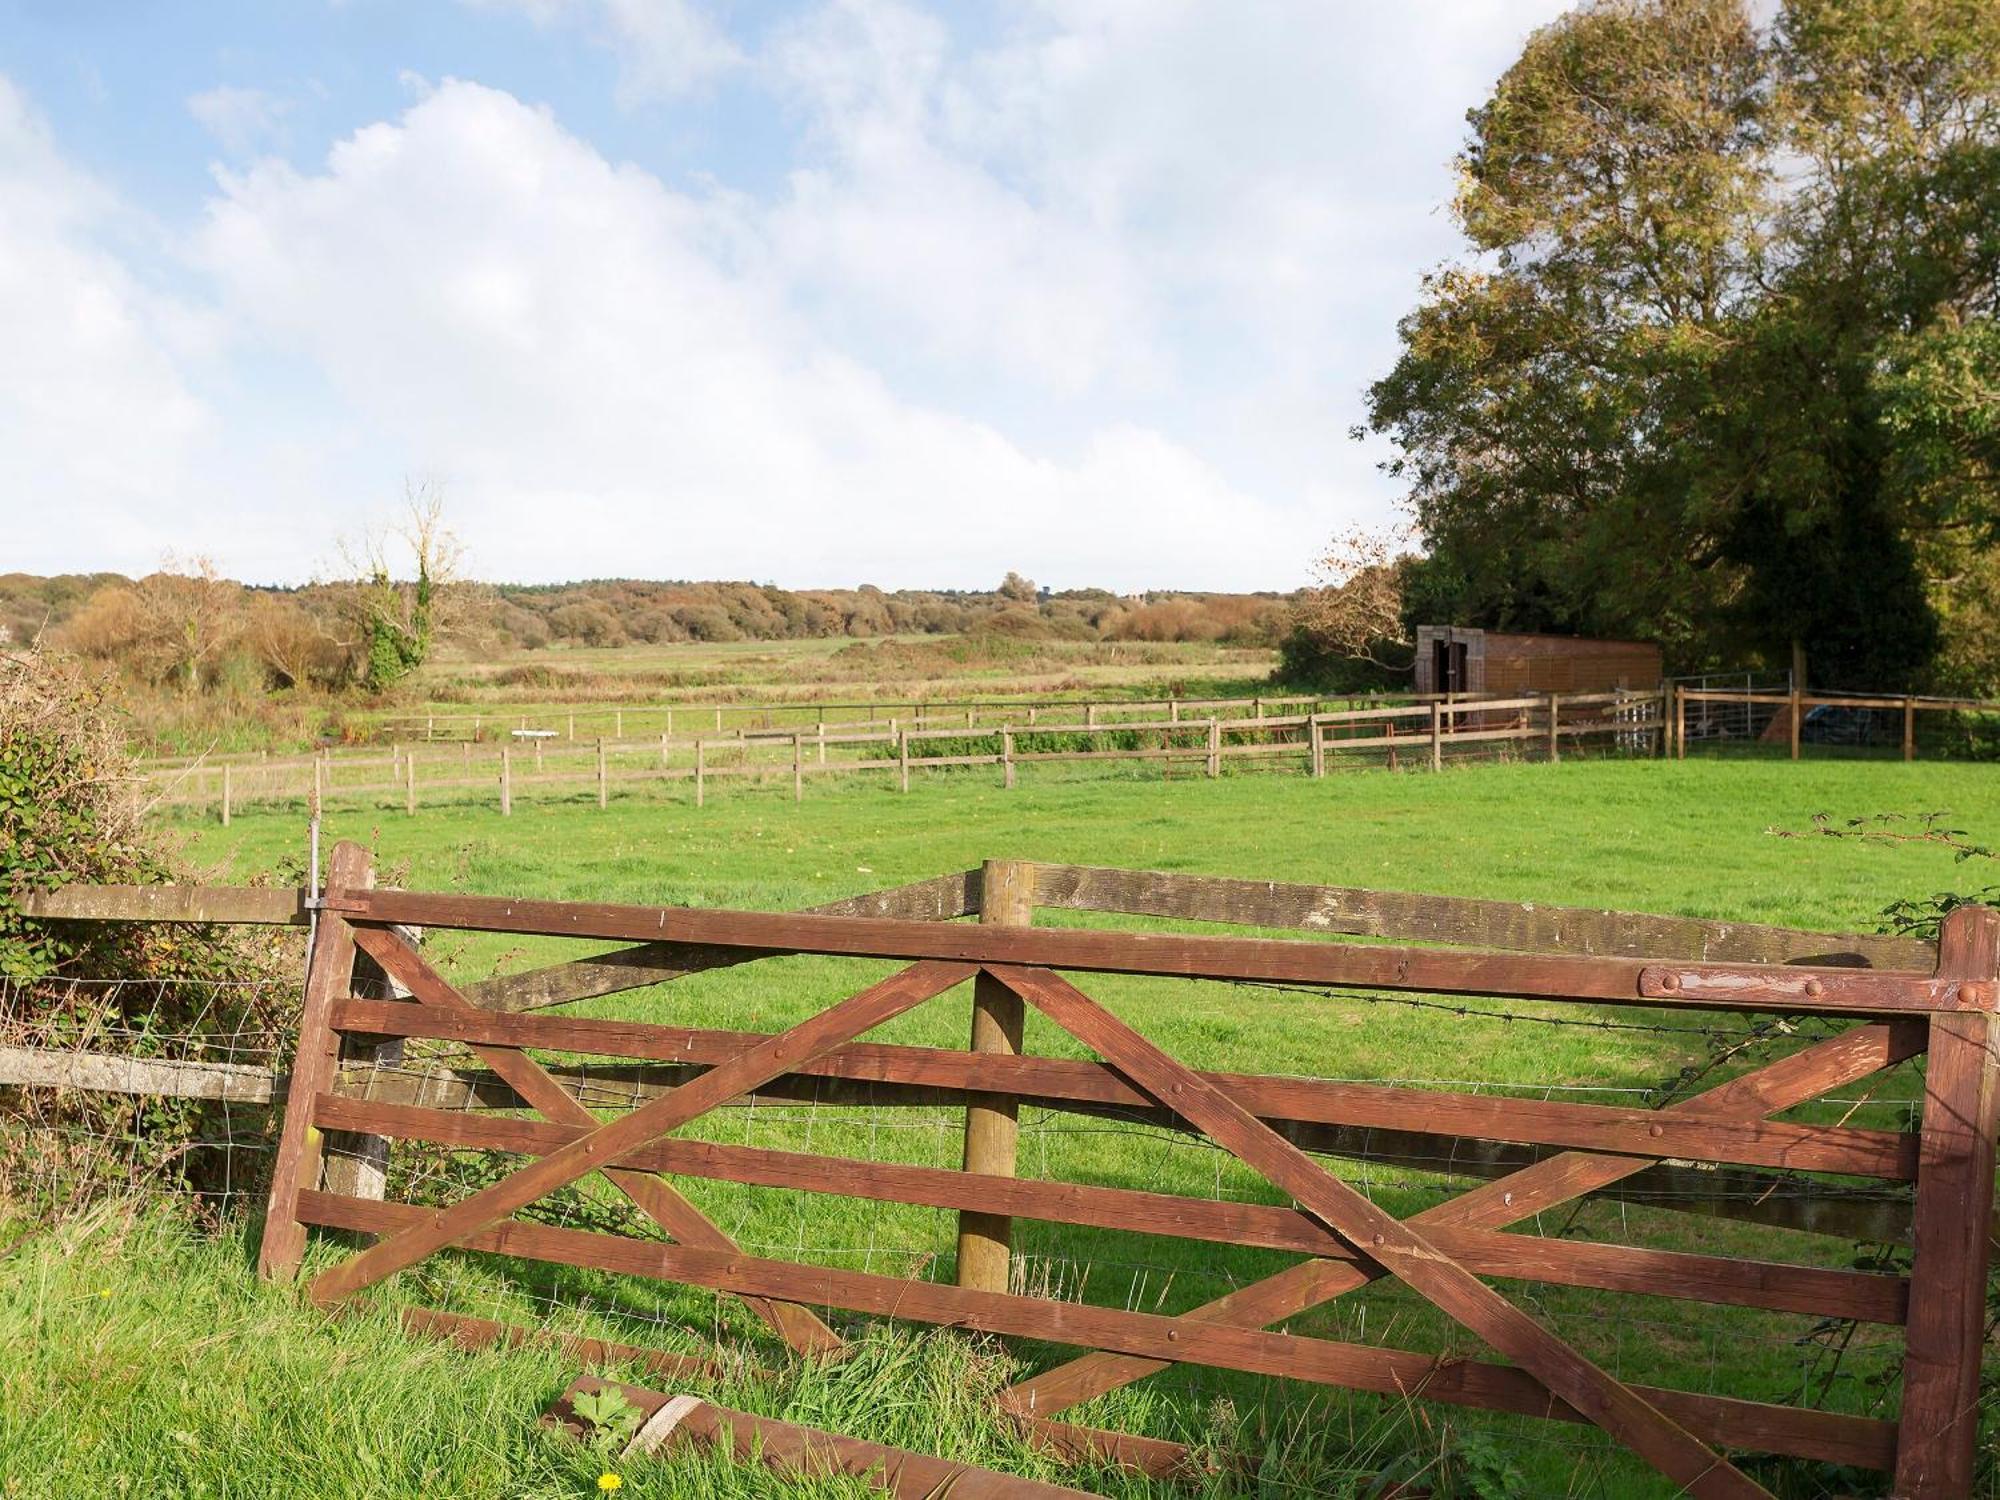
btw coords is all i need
(608, 1482)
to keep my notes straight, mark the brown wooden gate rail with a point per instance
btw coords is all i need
(1347, 1240)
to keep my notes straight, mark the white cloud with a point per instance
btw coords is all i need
(561, 338)
(666, 48)
(97, 423)
(1094, 296)
(242, 120)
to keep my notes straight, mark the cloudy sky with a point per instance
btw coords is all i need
(830, 292)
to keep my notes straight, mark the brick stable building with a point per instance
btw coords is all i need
(1458, 659)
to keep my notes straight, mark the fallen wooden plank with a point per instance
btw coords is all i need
(474, 1334)
(668, 1423)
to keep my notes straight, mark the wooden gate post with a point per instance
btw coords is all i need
(1214, 747)
(1316, 754)
(1555, 744)
(1938, 1434)
(329, 976)
(356, 1164)
(992, 1129)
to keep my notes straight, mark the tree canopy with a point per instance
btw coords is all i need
(1721, 367)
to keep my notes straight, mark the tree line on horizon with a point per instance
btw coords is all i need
(185, 629)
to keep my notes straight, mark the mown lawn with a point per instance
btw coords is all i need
(356, 1410)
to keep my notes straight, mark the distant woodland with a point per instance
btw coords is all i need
(185, 629)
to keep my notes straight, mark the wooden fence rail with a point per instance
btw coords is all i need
(1875, 1002)
(1405, 735)
(1790, 722)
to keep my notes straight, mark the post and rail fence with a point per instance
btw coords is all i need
(1411, 735)
(1850, 1006)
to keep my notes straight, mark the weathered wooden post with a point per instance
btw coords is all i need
(319, 779)
(1555, 743)
(1680, 723)
(506, 781)
(992, 1121)
(903, 756)
(1909, 729)
(410, 785)
(1437, 736)
(225, 794)
(1316, 749)
(1214, 747)
(329, 980)
(603, 776)
(819, 733)
(1937, 1438)
(699, 768)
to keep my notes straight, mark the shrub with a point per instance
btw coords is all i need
(68, 815)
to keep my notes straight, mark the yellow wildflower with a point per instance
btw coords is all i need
(609, 1482)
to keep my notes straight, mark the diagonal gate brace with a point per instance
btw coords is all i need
(1840, 1060)
(658, 1199)
(1399, 1248)
(781, 1054)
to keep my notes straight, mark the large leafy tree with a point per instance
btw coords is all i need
(1720, 369)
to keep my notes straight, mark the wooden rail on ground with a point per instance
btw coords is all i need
(1408, 734)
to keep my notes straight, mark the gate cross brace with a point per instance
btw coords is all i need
(1843, 1059)
(810, 1039)
(1399, 1248)
(658, 1199)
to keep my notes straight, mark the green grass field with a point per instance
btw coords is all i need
(140, 1352)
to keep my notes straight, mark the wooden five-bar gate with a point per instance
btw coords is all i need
(1445, 1255)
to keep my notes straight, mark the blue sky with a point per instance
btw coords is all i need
(831, 292)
